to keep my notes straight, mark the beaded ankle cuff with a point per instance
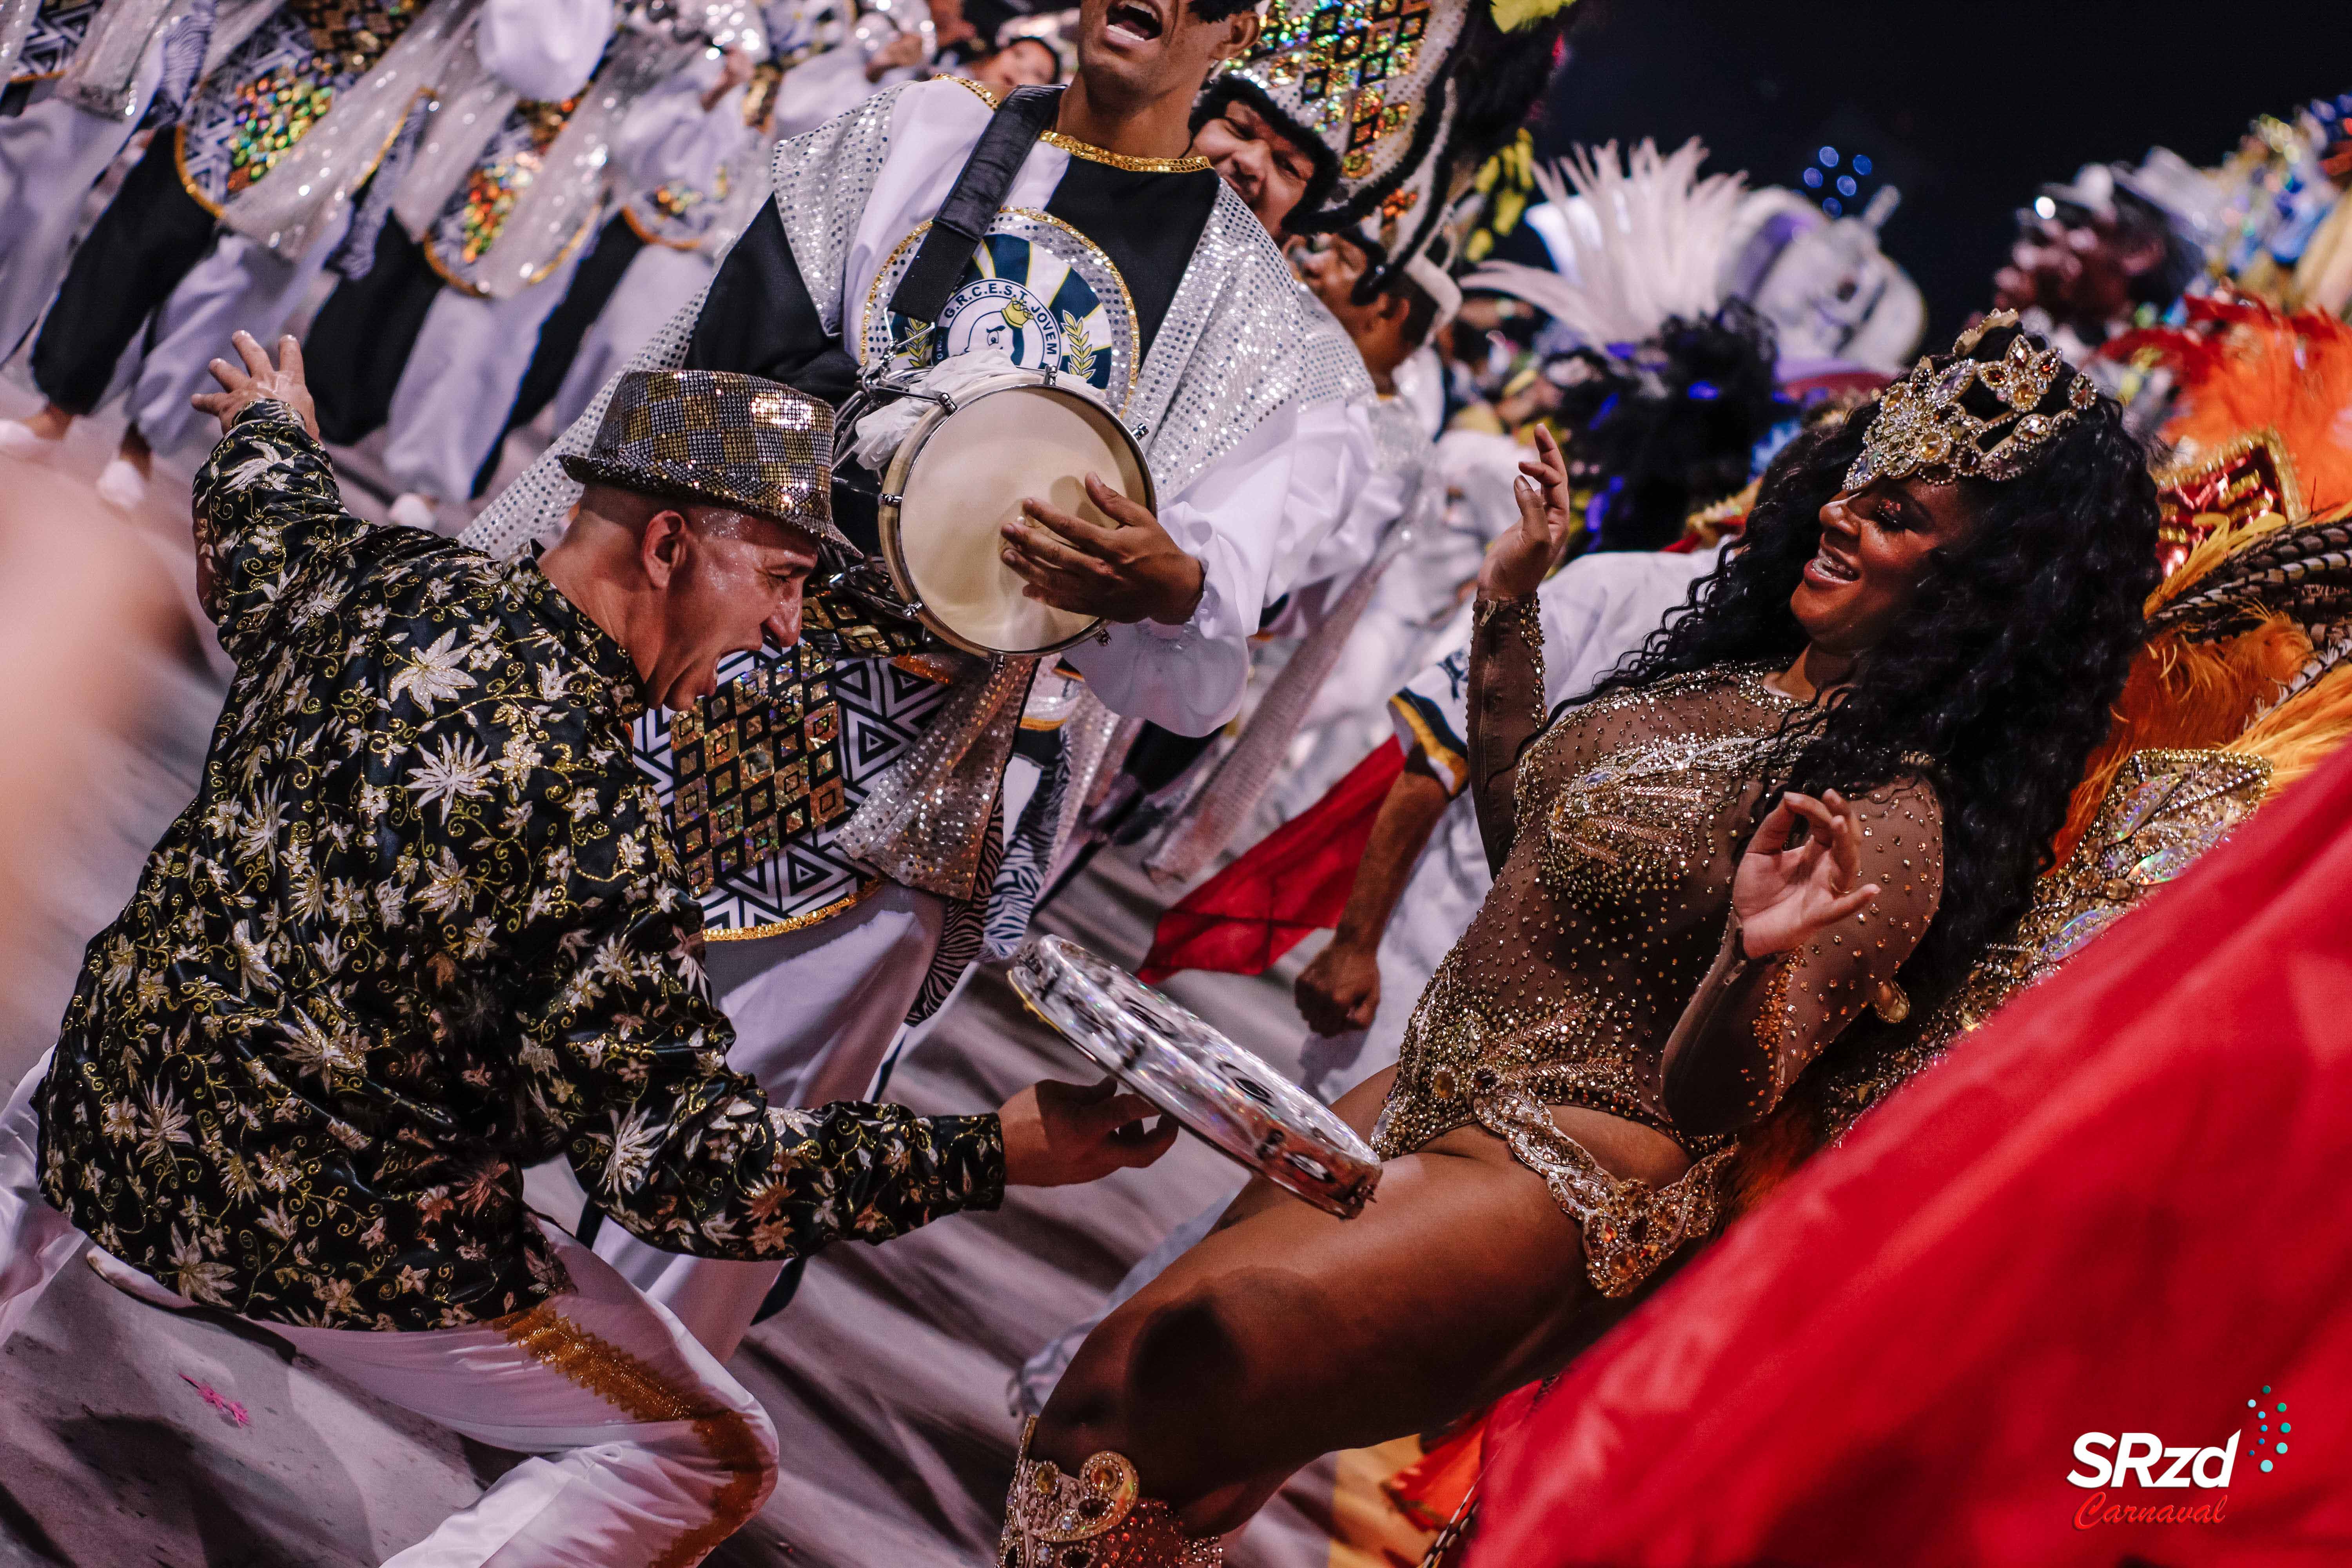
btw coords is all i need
(1096, 1518)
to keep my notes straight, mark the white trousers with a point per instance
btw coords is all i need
(814, 1011)
(242, 285)
(50, 157)
(654, 287)
(450, 404)
(646, 1450)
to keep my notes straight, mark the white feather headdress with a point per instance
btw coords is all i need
(1645, 241)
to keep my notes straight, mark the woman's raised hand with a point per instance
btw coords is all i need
(1787, 897)
(1517, 562)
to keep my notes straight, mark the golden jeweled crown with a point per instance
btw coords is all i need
(1922, 423)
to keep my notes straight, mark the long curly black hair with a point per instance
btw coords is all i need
(2003, 675)
(1672, 424)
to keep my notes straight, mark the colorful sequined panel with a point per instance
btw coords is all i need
(476, 216)
(1340, 57)
(755, 763)
(250, 113)
(679, 214)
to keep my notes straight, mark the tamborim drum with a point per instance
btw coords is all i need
(962, 473)
(1235, 1102)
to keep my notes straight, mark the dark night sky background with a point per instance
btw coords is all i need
(1967, 107)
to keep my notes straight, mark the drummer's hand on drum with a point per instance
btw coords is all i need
(1130, 572)
(1059, 1133)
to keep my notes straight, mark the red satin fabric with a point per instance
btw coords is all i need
(1292, 882)
(2125, 1205)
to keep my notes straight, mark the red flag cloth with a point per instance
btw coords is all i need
(1292, 882)
(2118, 1208)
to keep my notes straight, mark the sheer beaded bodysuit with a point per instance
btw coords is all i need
(1616, 836)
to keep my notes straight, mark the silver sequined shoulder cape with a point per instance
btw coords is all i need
(1239, 343)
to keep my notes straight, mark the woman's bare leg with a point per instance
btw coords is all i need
(1288, 1333)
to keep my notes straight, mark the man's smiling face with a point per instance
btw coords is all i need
(1265, 168)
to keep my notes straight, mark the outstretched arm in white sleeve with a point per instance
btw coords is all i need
(684, 128)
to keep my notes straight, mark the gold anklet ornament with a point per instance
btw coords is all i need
(1096, 1518)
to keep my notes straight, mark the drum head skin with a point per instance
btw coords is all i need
(962, 476)
(1235, 1102)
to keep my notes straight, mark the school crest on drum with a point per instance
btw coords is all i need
(1036, 290)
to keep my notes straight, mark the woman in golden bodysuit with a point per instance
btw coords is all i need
(1805, 806)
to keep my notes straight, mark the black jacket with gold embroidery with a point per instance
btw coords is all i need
(422, 926)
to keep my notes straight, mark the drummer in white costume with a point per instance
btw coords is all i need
(495, 256)
(865, 48)
(1138, 273)
(684, 229)
(80, 81)
(224, 226)
(1384, 283)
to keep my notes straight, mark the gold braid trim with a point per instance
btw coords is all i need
(1773, 1017)
(1190, 164)
(638, 1391)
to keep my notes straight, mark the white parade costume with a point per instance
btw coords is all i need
(468, 358)
(271, 237)
(1175, 306)
(89, 77)
(645, 1448)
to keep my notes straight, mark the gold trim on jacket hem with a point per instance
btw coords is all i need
(638, 227)
(180, 164)
(433, 259)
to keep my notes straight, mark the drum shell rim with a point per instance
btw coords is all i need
(902, 463)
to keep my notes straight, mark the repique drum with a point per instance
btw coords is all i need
(962, 473)
(1236, 1103)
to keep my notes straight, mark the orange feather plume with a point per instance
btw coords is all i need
(2182, 694)
(2241, 365)
(2304, 732)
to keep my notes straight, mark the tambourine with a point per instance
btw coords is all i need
(962, 472)
(1233, 1100)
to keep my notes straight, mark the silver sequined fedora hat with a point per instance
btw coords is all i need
(721, 438)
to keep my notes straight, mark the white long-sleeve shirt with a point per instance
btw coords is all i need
(1253, 519)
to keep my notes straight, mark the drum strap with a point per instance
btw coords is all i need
(979, 194)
